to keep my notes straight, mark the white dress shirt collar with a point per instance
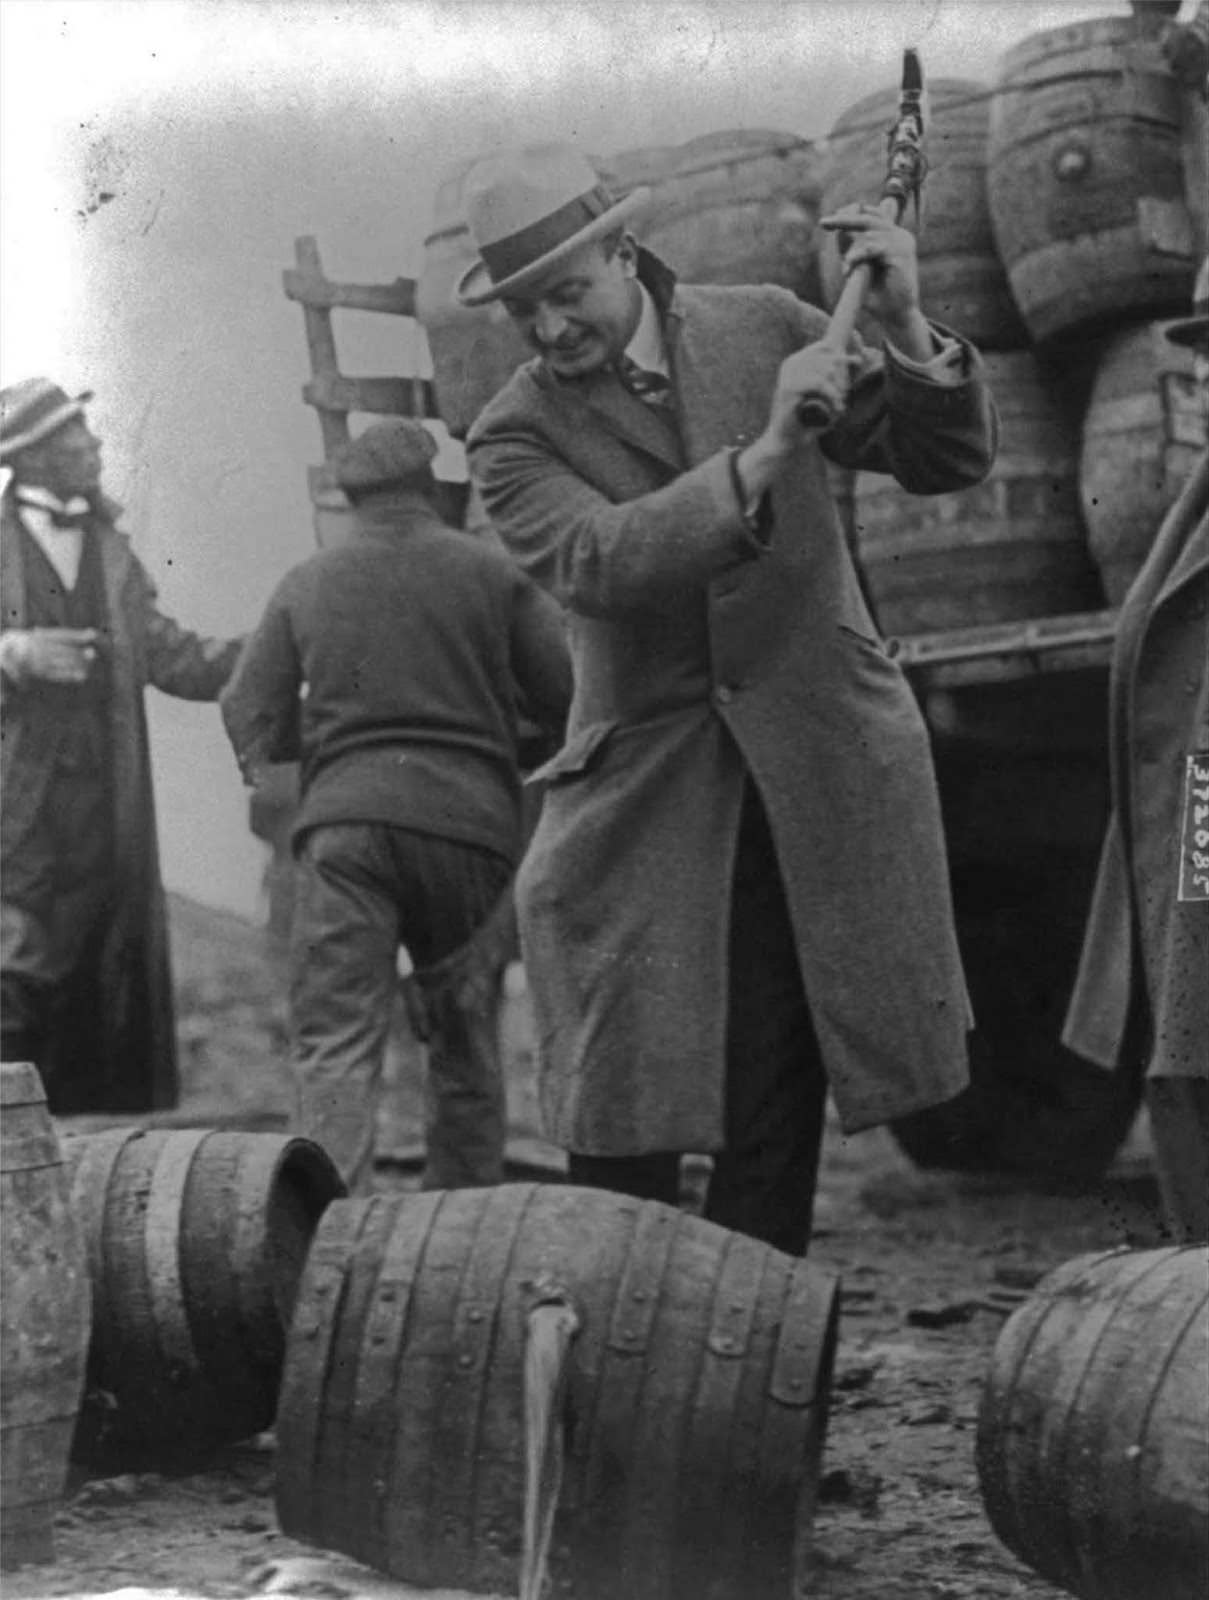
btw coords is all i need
(647, 348)
(62, 547)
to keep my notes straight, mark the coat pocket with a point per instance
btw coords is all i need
(581, 753)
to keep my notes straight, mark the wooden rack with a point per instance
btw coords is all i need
(333, 394)
(998, 652)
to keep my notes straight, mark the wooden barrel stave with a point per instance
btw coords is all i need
(1010, 548)
(623, 1516)
(44, 1320)
(380, 1376)
(740, 206)
(1143, 431)
(477, 1333)
(963, 282)
(337, 1443)
(708, 1519)
(188, 1280)
(311, 1351)
(1084, 177)
(1071, 1461)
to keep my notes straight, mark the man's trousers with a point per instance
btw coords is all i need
(362, 890)
(764, 1178)
(59, 895)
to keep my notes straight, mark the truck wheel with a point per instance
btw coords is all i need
(1061, 1126)
(1032, 1107)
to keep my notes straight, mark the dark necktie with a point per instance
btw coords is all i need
(651, 387)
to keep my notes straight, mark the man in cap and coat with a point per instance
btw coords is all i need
(1142, 989)
(737, 893)
(86, 984)
(396, 666)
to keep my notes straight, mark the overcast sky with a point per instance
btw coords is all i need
(159, 157)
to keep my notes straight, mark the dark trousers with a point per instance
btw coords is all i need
(764, 1178)
(58, 901)
(1179, 1126)
(362, 890)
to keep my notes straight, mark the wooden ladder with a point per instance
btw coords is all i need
(331, 392)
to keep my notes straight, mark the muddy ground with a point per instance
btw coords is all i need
(928, 1262)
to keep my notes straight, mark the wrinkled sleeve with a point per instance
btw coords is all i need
(261, 705)
(597, 556)
(932, 426)
(541, 662)
(179, 662)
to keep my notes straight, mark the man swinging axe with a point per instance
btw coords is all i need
(737, 896)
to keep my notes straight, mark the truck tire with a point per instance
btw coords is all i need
(1032, 1107)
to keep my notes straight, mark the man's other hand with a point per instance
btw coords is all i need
(55, 655)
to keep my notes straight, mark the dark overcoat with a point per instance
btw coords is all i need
(133, 1066)
(702, 655)
(1145, 953)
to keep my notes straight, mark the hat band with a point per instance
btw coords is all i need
(516, 251)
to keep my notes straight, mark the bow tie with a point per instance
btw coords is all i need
(651, 387)
(73, 513)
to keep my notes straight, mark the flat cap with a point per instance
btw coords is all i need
(398, 451)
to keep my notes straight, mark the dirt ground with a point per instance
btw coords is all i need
(928, 1262)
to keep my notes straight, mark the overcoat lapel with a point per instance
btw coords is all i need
(12, 566)
(603, 401)
(1195, 553)
(702, 360)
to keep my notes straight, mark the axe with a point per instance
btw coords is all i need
(904, 175)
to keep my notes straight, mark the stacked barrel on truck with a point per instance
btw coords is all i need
(1058, 227)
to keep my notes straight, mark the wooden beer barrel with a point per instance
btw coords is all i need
(43, 1320)
(741, 206)
(1092, 1447)
(695, 1401)
(962, 280)
(1013, 547)
(1142, 435)
(195, 1244)
(474, 349)
(1084, 177)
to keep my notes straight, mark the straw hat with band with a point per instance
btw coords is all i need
(530, 209)
(32, 410)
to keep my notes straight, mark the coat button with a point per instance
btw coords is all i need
(724, 694)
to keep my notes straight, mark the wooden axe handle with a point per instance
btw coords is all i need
(903, 178)
(816, 412)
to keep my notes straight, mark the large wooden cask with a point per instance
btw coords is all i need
(1143, 432)
(694, 1413)
(195, 1245)
(740, 206)
(962, 279)
(1011, 548)
(43, 1320)
(1093, 1442)
(1085, 177)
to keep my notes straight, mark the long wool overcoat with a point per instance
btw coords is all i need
(1144, 948)
(132, 1066)
(702, 655)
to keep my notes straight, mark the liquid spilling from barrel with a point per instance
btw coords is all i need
(695, 1402)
